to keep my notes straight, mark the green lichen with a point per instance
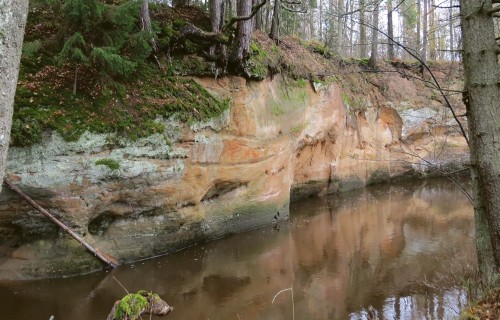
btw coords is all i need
(110, 163)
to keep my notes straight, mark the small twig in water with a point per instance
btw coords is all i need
(121, 285)
(293, 302)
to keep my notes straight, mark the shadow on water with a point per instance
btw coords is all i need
(341, 254)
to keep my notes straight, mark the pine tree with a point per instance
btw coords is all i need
(73, 53)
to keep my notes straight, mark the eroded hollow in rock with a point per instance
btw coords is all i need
(99, 225)
(221, 187)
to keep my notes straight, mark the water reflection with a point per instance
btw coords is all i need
(340, 254)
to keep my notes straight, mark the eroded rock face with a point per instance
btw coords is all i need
(234, 173)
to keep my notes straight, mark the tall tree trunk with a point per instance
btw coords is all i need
(146, 22)
(339, 40)
(481, 97)
(432, 30)
(179, 3)
(244, 31)
(258, 17)
(362, 30)
(311, 24)
(321, 20)
(351, 27)
(274, 34)
(13, 15)
(424, 33)
(390, 31)
(268, 14)
(373, 56)
(450, 17)
(217, 19)
(419, 29)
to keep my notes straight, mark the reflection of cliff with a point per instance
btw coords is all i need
(341, 254)
(385, 243)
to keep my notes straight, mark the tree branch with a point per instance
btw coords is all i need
(436, 83)
(294, 10)
(192, 31)
(233, 20)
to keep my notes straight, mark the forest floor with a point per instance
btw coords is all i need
(486, 308)
(164, 87)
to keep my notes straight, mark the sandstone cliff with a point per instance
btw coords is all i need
(281, 139)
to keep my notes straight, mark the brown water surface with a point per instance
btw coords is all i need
(340, 254)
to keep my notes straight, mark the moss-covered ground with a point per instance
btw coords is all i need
(132, 106)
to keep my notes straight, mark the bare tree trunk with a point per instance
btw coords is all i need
(321, 20)
(450, 17)
(274, 34)
(339, 40)
(258, 18)
(146, 22)
(432, 30)
(362, 30)
(482, 95)
(351, 34)
(179, 3)
(13, 15)
(244, 31)
(217, 19)
(419, 29)
(390, 31)
(424, 33)
(373, 56)
(268, 14)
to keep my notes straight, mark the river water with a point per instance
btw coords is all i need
(341, 254)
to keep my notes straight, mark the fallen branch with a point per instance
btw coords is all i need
(110, 261)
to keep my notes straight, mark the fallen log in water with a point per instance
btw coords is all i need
(109, 260)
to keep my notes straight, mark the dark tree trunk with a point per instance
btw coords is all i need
(179, 3)
(13, 15)
(258, 17)
(482, 75)
(217, 13)
(244, 31)
(274, 34)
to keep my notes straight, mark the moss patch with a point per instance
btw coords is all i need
(131, 113)
(131, 306)
(110, 163)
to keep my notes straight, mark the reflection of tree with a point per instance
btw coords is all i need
(341, 254)
(371, 241)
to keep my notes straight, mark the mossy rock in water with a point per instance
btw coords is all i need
(133, 305)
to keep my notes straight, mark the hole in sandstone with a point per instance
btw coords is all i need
(188, 204)
(220, 188)
(100, 224)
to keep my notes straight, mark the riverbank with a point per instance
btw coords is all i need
(186, 158)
